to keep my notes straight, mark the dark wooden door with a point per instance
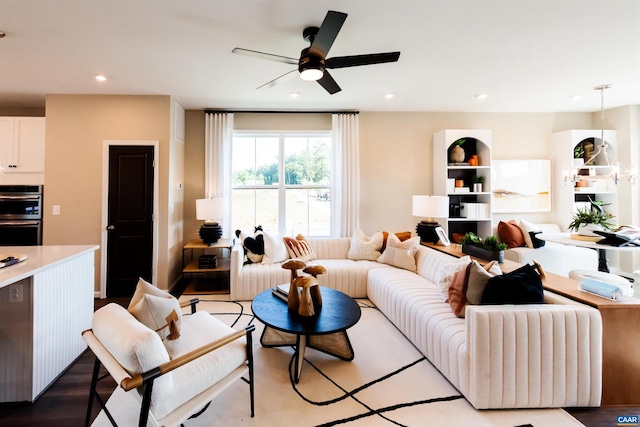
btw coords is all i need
(130, 223)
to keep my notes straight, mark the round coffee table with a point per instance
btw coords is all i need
(326, 331)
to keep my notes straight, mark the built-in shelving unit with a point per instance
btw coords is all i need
(570, 196)
(464, 213)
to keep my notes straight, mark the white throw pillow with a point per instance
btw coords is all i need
(152, 306)
(401, 254)
(527, 229)
(274, 249)
(365, 248)
(445, 275)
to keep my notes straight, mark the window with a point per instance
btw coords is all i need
(282, 182)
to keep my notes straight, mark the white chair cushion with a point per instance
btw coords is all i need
(195, 377)
(136, 348)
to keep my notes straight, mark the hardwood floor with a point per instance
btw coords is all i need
(64, 404)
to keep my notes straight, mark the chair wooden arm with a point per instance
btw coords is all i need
(138, 379)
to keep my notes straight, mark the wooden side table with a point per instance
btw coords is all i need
(620, 333)
(191, 267)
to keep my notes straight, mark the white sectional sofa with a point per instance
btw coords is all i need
(555, 257)
(506, 356)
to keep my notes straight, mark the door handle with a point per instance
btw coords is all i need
(111, 227)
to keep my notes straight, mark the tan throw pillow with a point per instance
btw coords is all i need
(160, 312)
(401, 254)
(444, 275)
(299, 248)
(274, 249)
(458, 290)
(510, 234)
(478, 278)
(365, 248)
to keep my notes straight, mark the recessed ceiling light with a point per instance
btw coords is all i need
(389, 95)
(101, 78)
(576, 97)
(482, 96)
(294, 94)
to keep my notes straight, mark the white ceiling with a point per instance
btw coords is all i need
(527, 55)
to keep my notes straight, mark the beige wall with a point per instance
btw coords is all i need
(395, 154)
(77, 125)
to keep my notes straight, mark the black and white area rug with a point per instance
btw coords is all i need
(388, 383)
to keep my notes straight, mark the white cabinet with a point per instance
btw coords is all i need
(469, 208)
(22, 144)
(569, 196)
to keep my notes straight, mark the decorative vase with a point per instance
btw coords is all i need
(457, 154)
(587, 230)
(293, 299)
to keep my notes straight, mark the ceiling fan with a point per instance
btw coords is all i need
(313, 62)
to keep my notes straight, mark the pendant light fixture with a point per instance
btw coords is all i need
(573, 175)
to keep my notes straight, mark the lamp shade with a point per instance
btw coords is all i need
(430, 206)
(210, 209)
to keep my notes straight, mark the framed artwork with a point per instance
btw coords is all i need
(521, 186)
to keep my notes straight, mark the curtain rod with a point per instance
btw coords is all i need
(211, 110)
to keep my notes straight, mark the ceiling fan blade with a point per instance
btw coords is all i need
(328, 83)
(327, 33)
(282, 78)
(268, 56)
(357, 60)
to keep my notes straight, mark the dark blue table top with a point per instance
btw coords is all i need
(338, 313)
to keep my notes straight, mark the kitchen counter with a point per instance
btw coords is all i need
(46, 301)
(39, 258)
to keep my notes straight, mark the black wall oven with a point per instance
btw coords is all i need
(20, 215)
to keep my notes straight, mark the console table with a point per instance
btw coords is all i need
(620, 333)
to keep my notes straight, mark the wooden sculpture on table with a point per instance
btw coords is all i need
(293, 299)
(316, 296)
(305, 308)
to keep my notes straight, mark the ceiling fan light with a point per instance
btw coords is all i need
(311, 74)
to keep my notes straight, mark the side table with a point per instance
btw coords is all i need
(326, 331)
(221, 271)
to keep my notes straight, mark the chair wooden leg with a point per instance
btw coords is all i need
(250, 363)
(92, 390)
(146, 404)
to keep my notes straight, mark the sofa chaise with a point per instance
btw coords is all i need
(503, 356)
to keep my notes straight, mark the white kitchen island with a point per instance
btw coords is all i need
(46, 302)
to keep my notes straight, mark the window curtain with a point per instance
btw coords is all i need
(347, 174)
(217, 163)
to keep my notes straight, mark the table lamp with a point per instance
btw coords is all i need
(209, 210)
(430, 207)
